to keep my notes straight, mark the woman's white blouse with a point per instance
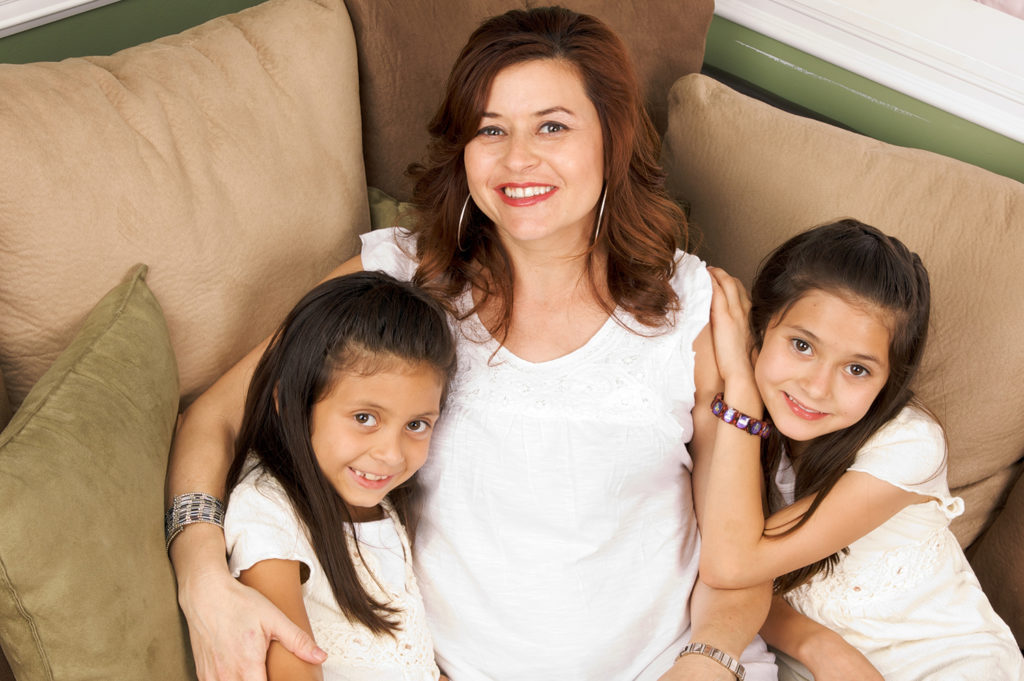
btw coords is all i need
(557, 538)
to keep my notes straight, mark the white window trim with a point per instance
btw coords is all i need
(21, 15)
(957, 55)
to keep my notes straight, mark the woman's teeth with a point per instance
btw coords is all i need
(525, 192)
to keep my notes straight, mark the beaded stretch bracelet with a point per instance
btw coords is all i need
(746, 423)
(194, 507)
(720, 656)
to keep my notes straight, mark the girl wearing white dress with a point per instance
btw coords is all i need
(857, 529)
(338, 418)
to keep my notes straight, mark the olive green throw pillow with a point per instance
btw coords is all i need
(86, 590)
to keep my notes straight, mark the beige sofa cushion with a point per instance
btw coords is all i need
(755, 175)
(86, 590)
(407, 48)
(227, 157)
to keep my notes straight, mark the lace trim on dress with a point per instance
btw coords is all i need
(410, 647)
(887, 575)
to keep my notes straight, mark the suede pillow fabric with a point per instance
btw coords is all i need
(406, 50)
(755, 175)
(227, 157)
(86, 589)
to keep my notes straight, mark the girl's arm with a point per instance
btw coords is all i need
(230, 626)
(824, 652)
(740, 548)
(280, 582)
(725, 619)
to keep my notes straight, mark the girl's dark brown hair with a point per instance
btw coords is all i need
(860, 263)
(363, 323)
(641, 226)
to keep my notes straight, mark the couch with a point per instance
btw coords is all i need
(161, 209)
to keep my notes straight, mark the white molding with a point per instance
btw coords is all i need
(957, 55)
(21, 15)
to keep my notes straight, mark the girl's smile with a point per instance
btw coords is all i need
(822, 364)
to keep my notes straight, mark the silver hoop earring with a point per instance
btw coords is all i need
(462, 215)
(600, 211)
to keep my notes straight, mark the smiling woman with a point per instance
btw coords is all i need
(557, 534)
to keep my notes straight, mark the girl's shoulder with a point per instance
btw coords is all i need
(908, 451)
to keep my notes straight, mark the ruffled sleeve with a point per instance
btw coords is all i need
(260, 524)
(910, 453)
(692, 284)
(391, 250)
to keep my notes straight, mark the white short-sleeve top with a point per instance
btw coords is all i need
(905, 594)
(557, 538)
(261, 524)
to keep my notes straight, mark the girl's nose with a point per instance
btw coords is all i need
(817, 381)
(388, 448)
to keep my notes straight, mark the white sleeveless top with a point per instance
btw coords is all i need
(557, 538)
(261, 524)
(905, 595)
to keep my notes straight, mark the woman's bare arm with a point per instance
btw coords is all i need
(725, 619)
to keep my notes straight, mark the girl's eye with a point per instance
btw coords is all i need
(365, 419)
(551, 127)
(858, 370)
(801, 346)
(418, 426)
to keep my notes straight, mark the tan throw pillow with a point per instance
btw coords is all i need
(86, 589)
(755, 175)
(227, 157)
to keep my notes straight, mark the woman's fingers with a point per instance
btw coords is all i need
(294, 638)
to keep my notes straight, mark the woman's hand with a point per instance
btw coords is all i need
(231, 626)
(730, 308)
(697, 668)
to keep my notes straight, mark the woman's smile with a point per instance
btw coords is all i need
(526, 194)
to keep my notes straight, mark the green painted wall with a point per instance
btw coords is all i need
(107, 29)
(854, 101)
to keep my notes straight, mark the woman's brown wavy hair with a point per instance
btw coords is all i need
(641, 226)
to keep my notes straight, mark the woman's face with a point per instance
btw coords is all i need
(536, 164)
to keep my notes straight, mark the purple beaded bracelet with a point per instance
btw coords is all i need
(745, 423)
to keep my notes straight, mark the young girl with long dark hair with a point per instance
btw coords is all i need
(338, 418)
(857, 530)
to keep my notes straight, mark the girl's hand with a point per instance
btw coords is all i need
(231, 626)
(730, 308)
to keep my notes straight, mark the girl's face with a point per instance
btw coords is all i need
(536, 166)
(371, 433)
(822, 364)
